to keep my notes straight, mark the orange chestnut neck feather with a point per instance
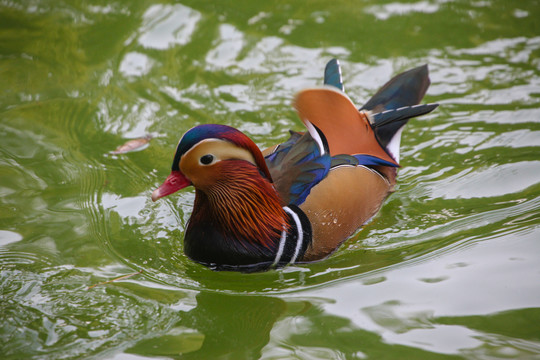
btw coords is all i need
(243, 204)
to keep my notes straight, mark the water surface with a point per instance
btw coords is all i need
(449, 268)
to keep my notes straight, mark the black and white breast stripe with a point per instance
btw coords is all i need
(294, 242)
(292, 245)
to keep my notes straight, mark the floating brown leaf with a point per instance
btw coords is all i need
(132, 145)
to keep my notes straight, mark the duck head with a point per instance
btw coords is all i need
(203, 153)
(237, 214)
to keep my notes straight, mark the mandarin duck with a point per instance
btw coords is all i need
(298, 201)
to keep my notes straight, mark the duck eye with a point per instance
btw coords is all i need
(206, 159)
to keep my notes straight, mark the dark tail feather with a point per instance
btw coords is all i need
(405, 89)
(396, 102)
(332, 74)
(387, 123)
(388, 116)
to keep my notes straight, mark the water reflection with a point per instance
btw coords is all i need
(7, 237)
(241, 332)
(135, 64)
(448, 268)
(167, 25)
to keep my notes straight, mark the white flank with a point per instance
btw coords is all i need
(393, 145)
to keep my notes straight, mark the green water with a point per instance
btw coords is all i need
(450, 268)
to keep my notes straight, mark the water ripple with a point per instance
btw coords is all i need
(453, 254)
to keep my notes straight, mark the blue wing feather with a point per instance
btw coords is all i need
(332, 74)
(296, 166)
(358, 160)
